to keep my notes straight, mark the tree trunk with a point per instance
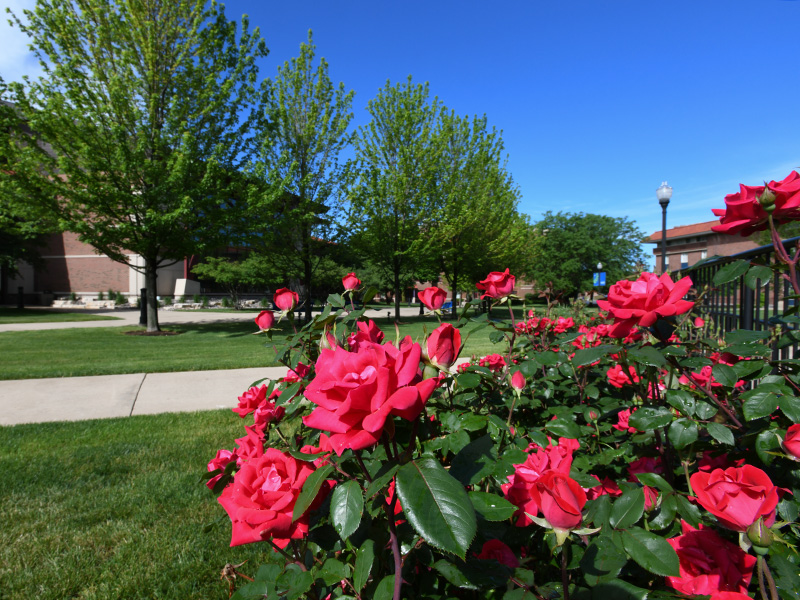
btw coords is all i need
(150, 277)
(397, 290)
(307, 275)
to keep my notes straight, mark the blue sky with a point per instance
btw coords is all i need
(599, 100)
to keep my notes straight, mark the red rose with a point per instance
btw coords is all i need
(265, 320)
(251, 446)
(497, 285)
(285, 299)
(497, 550)
(644, 301)
(622, 421)
(266, 414)
(744, 214)
(444, 345)
(607, 487)
(709, 563)
(367, 332)
(300, 372)
(494, 362)
(560, 499)
(220, 461)
(730, 596)
(261, 499)
(251, 400)
(518, 380)
(619, 379)
(791, 442)
(433, 297)
(357, 393)
(350, 282)
(737, 496)
(518, 490)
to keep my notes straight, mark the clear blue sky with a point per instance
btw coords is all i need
(599, 100)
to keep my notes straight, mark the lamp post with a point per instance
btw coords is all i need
(664, 193)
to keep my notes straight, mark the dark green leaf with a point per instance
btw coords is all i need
(760, 402)
(757, 276)
(647, 418)
(602, 561)
(766, 442)
(548, 359)
(369, 294)
(310, 490)
(651, 552)
(790, 406)
(298, 583)
(365, 556)
(468, 380)
(725, 375)
(618, 589)
(745, 336)
(336, 300)
(731, 271)
(654, 480)
(333, 571)
(381, 479)
(587, 356)
(598, 511)
(347, 505)
(647, 355)
(720, 433)
(682, 400)
(703, 410)
(492, 507)
(474, 461)
(385, 589)
(436, 505)
(682, 433)
(563, 428)
(627, 509)
(665, 514)
(688, 511)
(251, 591)
(474, 574)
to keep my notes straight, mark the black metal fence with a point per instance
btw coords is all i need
(734, 305)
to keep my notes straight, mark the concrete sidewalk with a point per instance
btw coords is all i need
(104, 396)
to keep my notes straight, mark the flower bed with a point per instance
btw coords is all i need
(628, 456)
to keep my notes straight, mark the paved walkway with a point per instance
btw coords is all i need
(104, 396)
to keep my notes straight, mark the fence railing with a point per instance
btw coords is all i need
(734, 305)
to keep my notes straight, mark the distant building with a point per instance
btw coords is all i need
(689, 244)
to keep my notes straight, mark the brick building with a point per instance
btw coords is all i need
(688, 244)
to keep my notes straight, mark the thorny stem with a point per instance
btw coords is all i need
(362, 465)
(784, 257)
(764, 572)
(526, 588)
(714, 399)
(564, 576)
(287, 556)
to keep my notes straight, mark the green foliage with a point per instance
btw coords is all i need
(144, 112)
(568, 246)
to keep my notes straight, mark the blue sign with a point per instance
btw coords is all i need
(598, 279)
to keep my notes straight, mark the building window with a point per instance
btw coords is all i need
(666, 262)
(684, 261)
(704, 254)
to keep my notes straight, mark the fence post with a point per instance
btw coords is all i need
(747, 307)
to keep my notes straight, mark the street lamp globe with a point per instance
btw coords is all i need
(664, 193)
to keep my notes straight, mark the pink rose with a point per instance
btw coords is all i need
(251, 446)
(300, 372)
(367, 332)
(494, 362)
(560, 499)
(266, 414)
(265, 320)
(444, 345)
(251, 400)
(791, 442)
(433, 297)
(644, 301)
(619, 379)
(497, 550)
(520, 484)
(261, 499)
(350, 282)
(220, 461)
(622, 421)
(497, 285)
(357, 393)
(518, 380)
(285, 299)
(737, 496)
(709, 563)
(744, 214)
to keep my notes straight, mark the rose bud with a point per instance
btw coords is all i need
(265, 320)
(443, 346)
(433, 297)
(285, 299)
(760, 534)
(497, 285)
(350, 282)
(791, 442)
(518, 381)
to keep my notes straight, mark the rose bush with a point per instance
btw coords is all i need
(588, 457)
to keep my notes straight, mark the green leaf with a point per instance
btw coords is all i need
(563, 428)
(549, 359)
(474, 461)
(475, 574)
(665, 514)
(646, 418)
(627, 509)
(369, 294)
(310, 490)
(618, 589)
(720, 433)
(682, 433)
(298, 583)
(602, 561)
(651, 551)
(436, 505)
(347, 506)
(365, 557)
(760, 402)
(491, 507)
(757, 276)
(766, 442)
(385, 589)
(381, 480)
(731, 271)
(250, 591)
(682, 400)
(746, 336)
(587, 356)
(647, 355)
(654, 480)
(790, 406)
(688, 511)
(725, 375)
(468, 380)
(333, 571)
(703, 410)
(336, 300)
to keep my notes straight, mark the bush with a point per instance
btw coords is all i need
(226, 302)
(196, 298)
(73, 297)
(205, 302)
(168, 301)
(101, 296)
(119, 299)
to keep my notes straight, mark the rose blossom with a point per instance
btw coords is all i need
(737, 496)
(730, 596)
(497, 285)
(433, 297)
(265, 320)
(350, 282)
(251, 400)
(300, 372)
(285, 299)
(251, 446)
(367, 332)
(744, 214)
(494, 362)
(644, 301)
(791, 442)
(607, 487)
(708, 462)
(266, 414)
(261, 499)
(497, 550)
(560, 499)
(358, 392)
(709, 563)
(622, 421)
(220, 461)
(443, 345)
(619, 379)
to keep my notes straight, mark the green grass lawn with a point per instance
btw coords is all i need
(28, 315)
(115, 509)
(201, 346)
